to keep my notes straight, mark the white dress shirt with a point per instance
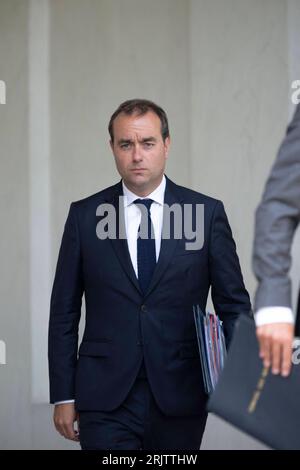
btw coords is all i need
(132, 222)
(275, 314)
(133, 219)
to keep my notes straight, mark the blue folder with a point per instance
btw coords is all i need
(212, 349)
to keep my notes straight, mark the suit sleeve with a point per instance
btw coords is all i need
(65, 310)
(229, 295)
(277, 218)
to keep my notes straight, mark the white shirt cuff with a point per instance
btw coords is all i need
(64, 401)
(267, 315)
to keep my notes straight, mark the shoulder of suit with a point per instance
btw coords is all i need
(186, 194)
(99, 197)
(190, 195)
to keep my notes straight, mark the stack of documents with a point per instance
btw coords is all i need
(212, 347)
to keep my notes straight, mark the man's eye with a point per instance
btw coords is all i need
(148, 144)
(125, 146)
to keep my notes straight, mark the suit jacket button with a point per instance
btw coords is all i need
(139, 343)
(143, 308)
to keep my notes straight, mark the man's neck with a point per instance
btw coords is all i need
(140, 191)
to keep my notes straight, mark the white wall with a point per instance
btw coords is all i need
(239, 105)
(222, 72)
(14, 241)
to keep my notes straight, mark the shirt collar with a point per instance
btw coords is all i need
(157, 195)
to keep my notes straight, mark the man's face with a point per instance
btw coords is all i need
(140, 151)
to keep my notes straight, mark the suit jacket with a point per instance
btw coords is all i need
(122, 325)
(277, 218)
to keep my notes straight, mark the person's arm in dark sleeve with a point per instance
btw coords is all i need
(65, 310)
(229, 295)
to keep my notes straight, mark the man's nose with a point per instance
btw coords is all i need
(136, 154)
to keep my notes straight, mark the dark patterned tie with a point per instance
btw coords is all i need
(146, 257)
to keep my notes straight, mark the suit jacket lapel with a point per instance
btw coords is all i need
(168, 246)
(119, 244)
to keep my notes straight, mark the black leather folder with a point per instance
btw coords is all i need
(250, 397)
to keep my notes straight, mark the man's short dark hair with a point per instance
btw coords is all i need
(140, 107)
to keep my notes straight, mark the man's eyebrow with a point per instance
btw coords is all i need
(143, 140)
(149, 139)
(124, 141)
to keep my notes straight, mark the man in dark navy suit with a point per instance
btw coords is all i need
(136, 382)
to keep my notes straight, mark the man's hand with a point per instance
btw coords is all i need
(275, 342)
(64, 418)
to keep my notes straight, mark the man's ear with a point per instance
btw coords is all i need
(111, 145)
(167, 144)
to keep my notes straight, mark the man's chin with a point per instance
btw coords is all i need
(137, 184)
(139, 180)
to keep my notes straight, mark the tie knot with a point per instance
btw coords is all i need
(145, 202)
